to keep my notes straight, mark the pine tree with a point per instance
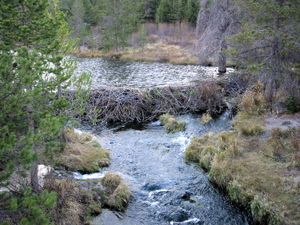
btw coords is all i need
(77, 21)
(269, 45)
(33, 75)
(119, 19)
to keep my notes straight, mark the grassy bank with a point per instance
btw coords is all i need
(82, 153)
(151, 52)
(255, 163)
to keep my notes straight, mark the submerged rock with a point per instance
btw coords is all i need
(178, 216)
(152, 187)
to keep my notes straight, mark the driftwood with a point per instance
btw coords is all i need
(134, 105)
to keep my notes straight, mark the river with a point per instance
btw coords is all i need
(165, 189)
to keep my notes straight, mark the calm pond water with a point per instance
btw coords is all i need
(114, 73)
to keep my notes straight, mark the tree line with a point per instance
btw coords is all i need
(119, 18)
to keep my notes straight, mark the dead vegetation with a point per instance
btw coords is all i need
(259, 173)
(172, 43)
(82, 153)
(78, 201)
(134, 105)
(74, 205)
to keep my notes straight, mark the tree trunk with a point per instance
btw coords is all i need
(34, 177)
(222, 58)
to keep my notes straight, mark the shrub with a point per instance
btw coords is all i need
(171, 124)
(249, 128)
(292, 104)
(253, 101)
(74, 205)
(117, 193)
(262, 214)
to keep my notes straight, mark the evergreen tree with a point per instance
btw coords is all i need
(119, 19)
(170, 11)
(150, 9)
(269, 44)
(165, 12)
(191, 11)
(92, 11)
(33, 74)
(77, 21)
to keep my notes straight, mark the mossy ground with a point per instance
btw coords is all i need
(171, 124)
(258, 168)
(83, 153)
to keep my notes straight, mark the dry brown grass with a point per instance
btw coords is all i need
(171, 124)
(253, 100)
(161, 52)
(82, 153)
(152, 52)
(74, 205)
(259, 173)
(247, 125)
(206, 118)
(117, 193)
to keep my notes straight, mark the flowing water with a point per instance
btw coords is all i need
(165, 189)
(114, 73)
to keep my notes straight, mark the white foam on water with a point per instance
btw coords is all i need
(79, 176)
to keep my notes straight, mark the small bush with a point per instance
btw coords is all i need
(262, 214)
(171, 124)
(250, 129)
(74, 205)
(206, 157)
(253, 101)
(111, 181)
(296, 160)
(117, 193)
(292, 104)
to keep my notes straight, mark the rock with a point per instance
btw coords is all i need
(151, 187)
(286, 123)
(107, 217)
(178, 216)
(186, 196)
(43, 171)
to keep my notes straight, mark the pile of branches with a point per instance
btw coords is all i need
(134, 105)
